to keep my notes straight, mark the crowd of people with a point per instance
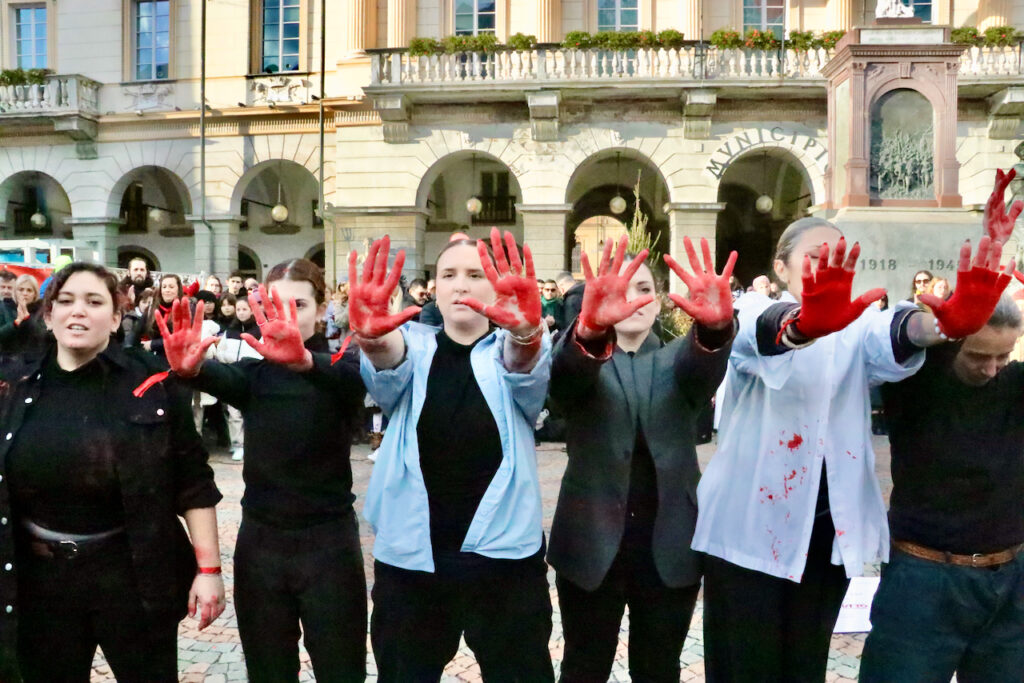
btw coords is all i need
(102, 385)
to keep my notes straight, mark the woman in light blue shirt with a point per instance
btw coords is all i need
(454, 499)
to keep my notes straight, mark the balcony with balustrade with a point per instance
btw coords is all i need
(62, 103)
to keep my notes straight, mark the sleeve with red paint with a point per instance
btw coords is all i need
(575, 364)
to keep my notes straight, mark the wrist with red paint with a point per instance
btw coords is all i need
(588, 331)
(212, 571)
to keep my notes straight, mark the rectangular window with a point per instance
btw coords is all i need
(30, 36)
(280, 35)
(152, 39)
(766, 15)
(473, 17)
(618, 15)
(922, 9)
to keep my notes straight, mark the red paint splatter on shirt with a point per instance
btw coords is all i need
(795, 442)
(839, 532)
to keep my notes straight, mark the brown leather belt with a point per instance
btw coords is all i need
(975, 560)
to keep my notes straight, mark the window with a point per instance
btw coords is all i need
(922, 9)
(281, 30)
(152, 28)
(618, 15)
(30, 36)
(473, 17)
(766, 15)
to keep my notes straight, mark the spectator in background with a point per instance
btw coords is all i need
(170, 290)
(737, 287)
(883, 303)
(208, 300)
(235, 284)
(251, 284)
(919, 285)
(230, 352)
(134, 320)
(432, 288)
(336, 317)
(8, 306)
(225, 311)
(762, 285)
(137, 279)
(551, 304)
(939, 286)
(418, 291)
(213, 284)
(27, 330)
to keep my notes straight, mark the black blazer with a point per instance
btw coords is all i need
(661, 390)
(162, 470)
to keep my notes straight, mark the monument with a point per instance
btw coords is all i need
(893, 175)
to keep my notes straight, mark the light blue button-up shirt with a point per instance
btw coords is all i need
(507, 524)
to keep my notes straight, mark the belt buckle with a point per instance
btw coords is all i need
(68, 549)
(975, 557)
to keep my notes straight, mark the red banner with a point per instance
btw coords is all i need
(39, 274)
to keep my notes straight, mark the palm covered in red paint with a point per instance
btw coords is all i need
(604, 297)
(998, 222)
(825, 305)
(709, 300)
(369, 296)
(280, 339)
(184, 347)
(517, 302)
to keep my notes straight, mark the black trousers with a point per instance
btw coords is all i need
(502, 607)
(761, 628)
(313, 577)
(659, 618)
(68, 607)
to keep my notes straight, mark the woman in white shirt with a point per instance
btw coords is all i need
(789, 507)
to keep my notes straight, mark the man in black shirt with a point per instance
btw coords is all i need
(951, 598)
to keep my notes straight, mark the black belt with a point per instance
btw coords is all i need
(50, 544)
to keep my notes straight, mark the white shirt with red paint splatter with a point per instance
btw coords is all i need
(782, 417)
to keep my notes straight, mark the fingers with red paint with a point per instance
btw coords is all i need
(370, 295)
(517, 302)
(206, 598)
(978, 288)
(826, 305)
(280, 337)
(184, 347)
(709, 299)
(604, 297)
(997, 220)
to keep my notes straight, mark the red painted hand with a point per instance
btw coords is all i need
(977, 292)
(281, 341)
(369, 297)
(998, 223)
(604, 298)
(709, 300)
(184, 347)
(517, 304)
(825, 304)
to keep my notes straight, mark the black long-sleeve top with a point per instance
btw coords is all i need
(297, 434)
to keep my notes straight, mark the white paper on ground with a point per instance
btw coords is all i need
(854, 616)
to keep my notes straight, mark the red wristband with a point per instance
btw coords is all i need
(209, 570)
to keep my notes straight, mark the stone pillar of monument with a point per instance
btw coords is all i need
(360, 29)
(216, 243)
(690, 19)
(840, 15)
(544, 231)
(549, 21)
(358, 226)
(401, 22)
(100, 233)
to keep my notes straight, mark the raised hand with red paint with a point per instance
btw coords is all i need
(369, 297)
(281, 340)
(709, 300)
(185, 347)
(604, 297)
(978, 288)
(997, 221)
(517, 300)
(825, 305)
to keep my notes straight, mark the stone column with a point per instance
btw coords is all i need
(357, 227)
(693, 220)
(544, 232)
(689, 23)
(360, 25)
(840, 15)
(401, 22)
(100, 233)
(216, 246)
(549, 21)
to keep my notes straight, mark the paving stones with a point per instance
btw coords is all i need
(214, 655)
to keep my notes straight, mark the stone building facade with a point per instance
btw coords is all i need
(545, 138)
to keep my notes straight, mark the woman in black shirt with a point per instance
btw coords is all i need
(91, 481)
(297, 559)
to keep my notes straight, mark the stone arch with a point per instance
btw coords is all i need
(806, 150)
(25, 193)
(161, 189)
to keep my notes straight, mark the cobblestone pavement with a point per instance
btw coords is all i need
(215, 655)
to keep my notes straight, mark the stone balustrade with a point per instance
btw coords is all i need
(58, 94)
(697, 62)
